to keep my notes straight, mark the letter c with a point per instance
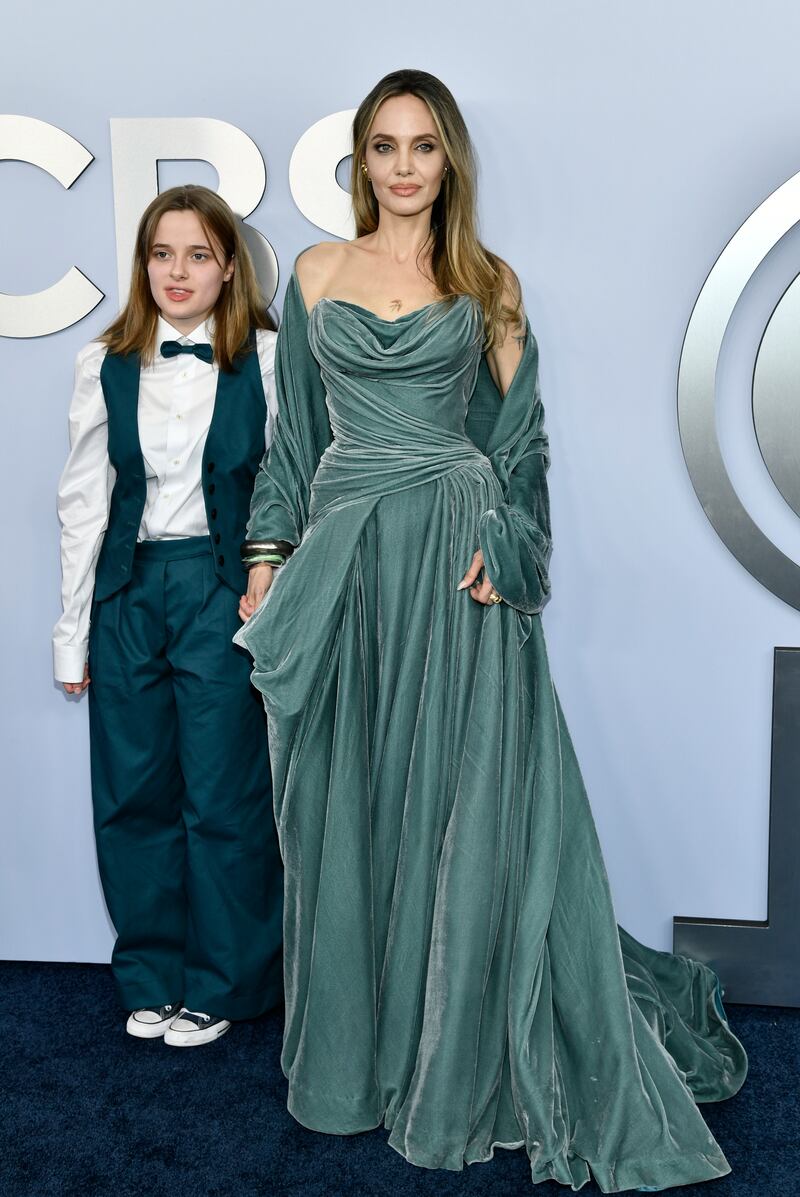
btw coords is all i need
(25, 139)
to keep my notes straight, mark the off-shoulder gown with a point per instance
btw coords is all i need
(453, 966)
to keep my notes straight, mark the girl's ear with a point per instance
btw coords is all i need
(229, 269)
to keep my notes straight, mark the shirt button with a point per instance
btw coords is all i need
(212, 486)
(217, 538)
(213, 513)
(210, 467)
(221, 559)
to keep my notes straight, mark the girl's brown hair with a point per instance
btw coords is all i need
(240, 306)
(459, 263)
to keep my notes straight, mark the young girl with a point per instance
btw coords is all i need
(172, 408)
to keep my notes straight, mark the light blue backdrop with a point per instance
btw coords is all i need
(621, 144)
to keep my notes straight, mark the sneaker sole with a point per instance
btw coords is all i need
(193, 1038)
(147, 1030)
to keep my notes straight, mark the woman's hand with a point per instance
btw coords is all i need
(481, 591)
(78, 687)
(259, 580)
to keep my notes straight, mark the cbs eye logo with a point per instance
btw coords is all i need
(775, 393)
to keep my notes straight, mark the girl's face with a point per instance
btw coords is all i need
(405, 157)
(185, 270)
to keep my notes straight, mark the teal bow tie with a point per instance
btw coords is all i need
(173, 348)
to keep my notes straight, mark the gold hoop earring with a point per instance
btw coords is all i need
(364, 169)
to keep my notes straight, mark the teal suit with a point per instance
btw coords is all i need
(186, 842)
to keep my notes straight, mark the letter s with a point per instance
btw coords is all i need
(312, 174)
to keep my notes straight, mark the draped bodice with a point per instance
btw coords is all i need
(397, 394)
(421, 367)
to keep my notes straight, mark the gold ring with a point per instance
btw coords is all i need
(494, 597)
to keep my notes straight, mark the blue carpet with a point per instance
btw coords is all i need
(87, 1110)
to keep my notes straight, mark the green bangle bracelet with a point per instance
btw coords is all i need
(263, 559)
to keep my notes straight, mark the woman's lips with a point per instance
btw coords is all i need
(407, 189)
(178, 294)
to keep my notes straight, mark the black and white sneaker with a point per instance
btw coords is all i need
(151, 1021)
(190, 1029)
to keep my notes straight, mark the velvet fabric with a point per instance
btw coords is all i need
(453, 967)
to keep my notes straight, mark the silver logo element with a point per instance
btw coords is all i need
(137, 144)
(312, 174)
(25, 139)
(776, 390)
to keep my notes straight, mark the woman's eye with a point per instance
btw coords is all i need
(161, 254)
(382, 146)
(425, 146)
(200, 257)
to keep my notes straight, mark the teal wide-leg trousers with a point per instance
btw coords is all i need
(186, 840)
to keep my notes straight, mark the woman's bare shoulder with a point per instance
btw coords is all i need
(316, 266)
(512, 291)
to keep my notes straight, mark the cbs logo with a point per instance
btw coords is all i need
(775, 392)
(137, 145)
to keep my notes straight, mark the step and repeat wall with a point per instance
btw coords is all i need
(621, 146)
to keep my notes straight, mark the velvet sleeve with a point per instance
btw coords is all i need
(515, 535)
(279, 507)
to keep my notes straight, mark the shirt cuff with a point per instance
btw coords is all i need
(69, 661)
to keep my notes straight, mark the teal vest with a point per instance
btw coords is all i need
(233, 451)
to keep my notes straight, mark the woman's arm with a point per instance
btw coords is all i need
(505, 353)
(302, 432)
(515, 539)
(83, 506)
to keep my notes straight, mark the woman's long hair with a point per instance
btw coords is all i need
(459, 263)
(240, 306)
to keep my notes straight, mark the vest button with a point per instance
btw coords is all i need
(217, 538)
(212, 486)
(213, 513)
(210, 467)
(220, 560)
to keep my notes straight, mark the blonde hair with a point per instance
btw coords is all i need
(459, 263)
(240, 306)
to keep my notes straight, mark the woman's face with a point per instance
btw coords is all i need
(404, 156)
(185, 270)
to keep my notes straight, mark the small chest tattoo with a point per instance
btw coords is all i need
(395, 304)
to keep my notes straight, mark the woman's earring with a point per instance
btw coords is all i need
(364, 169)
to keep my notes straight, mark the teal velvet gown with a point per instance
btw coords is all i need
(453, 967)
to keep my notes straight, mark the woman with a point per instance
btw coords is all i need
(173, 399)
(453, 967)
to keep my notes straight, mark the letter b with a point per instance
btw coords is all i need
(137, 144)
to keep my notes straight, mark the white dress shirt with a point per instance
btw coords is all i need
(176, 403)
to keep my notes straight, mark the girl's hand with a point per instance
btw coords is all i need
(481, 591)
(259, 580)
(78, 687)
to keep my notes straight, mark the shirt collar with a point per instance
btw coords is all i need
(198, 336)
